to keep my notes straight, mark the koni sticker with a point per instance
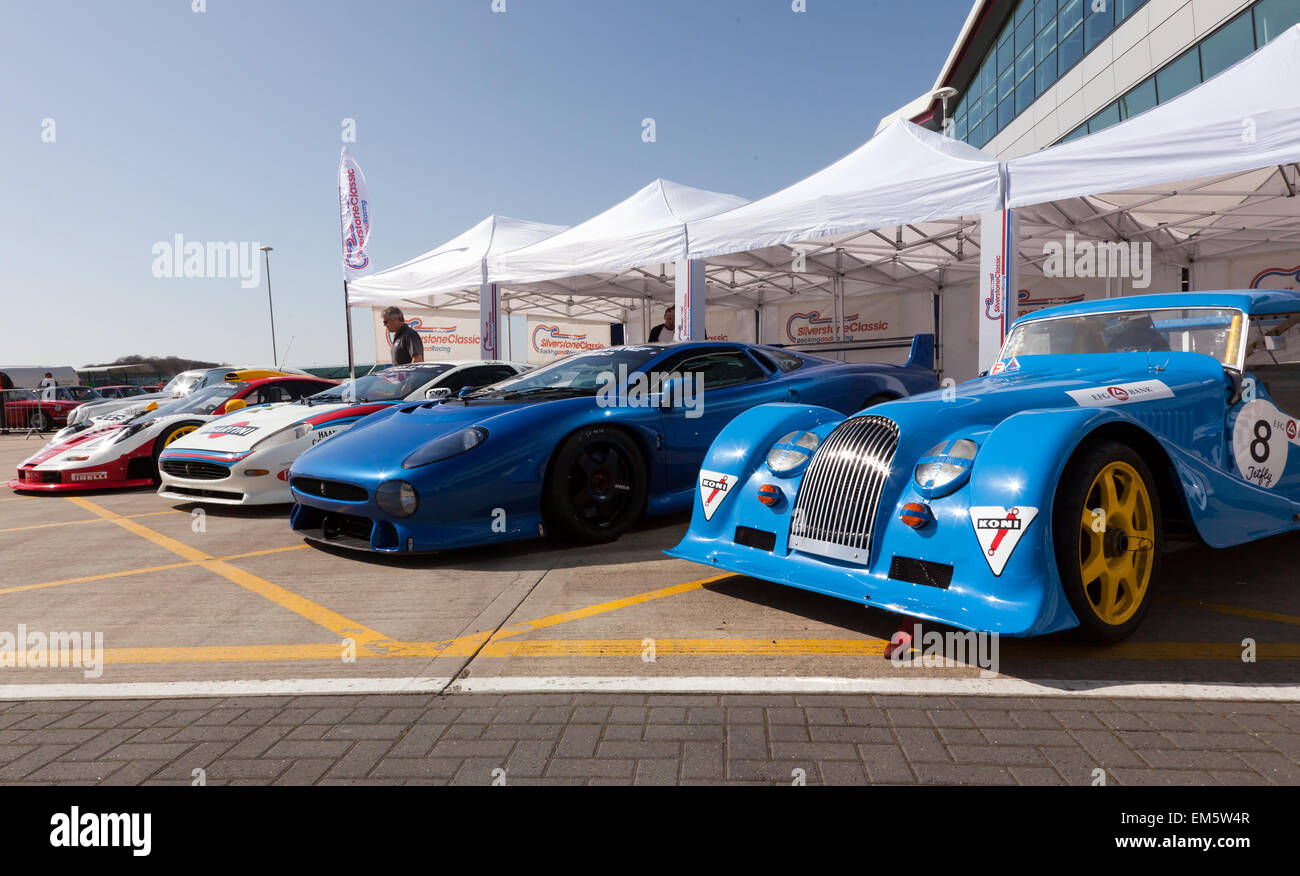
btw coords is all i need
(714, 487)
(1120, 394)
(1261, 441)
(999, 530)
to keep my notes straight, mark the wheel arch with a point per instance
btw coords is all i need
(1173, 501)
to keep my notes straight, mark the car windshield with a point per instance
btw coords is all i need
(182, 383)
(203, 402)
(19, 395)
(1213, 331)
(83, 393)
(581, 373)
(394, 384)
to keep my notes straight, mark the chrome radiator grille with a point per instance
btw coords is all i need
(840, 494)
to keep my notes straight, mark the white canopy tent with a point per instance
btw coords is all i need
(616, 252)
(449, 275)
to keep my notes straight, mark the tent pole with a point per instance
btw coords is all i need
(347, 313)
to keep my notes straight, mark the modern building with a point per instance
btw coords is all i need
(1025, 74)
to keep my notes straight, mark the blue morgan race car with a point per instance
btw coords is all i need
(1036, 498)
(581, 448)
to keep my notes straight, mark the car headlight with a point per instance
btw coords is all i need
(792, 452)
(940, 473)
(287, 435)
(131, 430)
(397, 498)
(447, 446)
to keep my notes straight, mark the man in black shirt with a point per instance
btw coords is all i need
(669, 325)
(407, 346)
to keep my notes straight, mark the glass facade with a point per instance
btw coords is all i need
(1041, 41)
(1217, 52)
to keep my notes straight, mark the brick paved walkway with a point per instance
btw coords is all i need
(648, 739)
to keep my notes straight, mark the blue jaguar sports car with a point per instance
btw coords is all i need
(1036, 498)
(581, 448)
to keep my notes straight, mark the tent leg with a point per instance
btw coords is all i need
(999, 281)
(489, 299)
(690, 301)
(347, 313)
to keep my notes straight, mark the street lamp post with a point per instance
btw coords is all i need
(266, 251)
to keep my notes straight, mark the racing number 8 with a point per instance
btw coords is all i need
(1261, 441)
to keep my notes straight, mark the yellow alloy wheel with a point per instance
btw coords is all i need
(1117, 543)
(183, 430)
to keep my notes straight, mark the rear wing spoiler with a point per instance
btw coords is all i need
(922, 355)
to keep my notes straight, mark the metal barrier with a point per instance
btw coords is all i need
(21, 412)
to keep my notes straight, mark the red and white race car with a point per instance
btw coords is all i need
(126, 454)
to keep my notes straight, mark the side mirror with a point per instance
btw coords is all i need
(984, 374)
(437, 392)
(235, 404)
(464, 391)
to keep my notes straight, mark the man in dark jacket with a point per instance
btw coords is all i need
(407, 345)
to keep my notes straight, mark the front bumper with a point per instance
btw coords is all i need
(358, 523)
(220, 479)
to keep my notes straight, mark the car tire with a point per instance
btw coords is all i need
(170, 434)
(878, 399)
(42, 422)
(597, 487)
(1108, 561)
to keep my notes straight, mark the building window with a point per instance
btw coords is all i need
(1181, 75)
(1227, 46)
(1220, 50)
(1274, 16)
(1139, 100)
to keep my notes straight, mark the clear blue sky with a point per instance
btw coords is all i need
(225, 126)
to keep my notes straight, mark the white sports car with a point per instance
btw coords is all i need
(247, 462)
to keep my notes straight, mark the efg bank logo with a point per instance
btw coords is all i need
(76, 829)
(801, 328)
(550, 340)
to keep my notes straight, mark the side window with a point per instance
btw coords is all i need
(270, 395)
(474, 377)
(296, 389)
(724, 368)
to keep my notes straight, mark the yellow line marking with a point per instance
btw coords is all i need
(613, 605)
(319, 614)
(168, 567)
(634, 648)
(468, 646)
(1237, 610)
(686, 647)
(17, 498)
(229, 654)
(94, 520)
